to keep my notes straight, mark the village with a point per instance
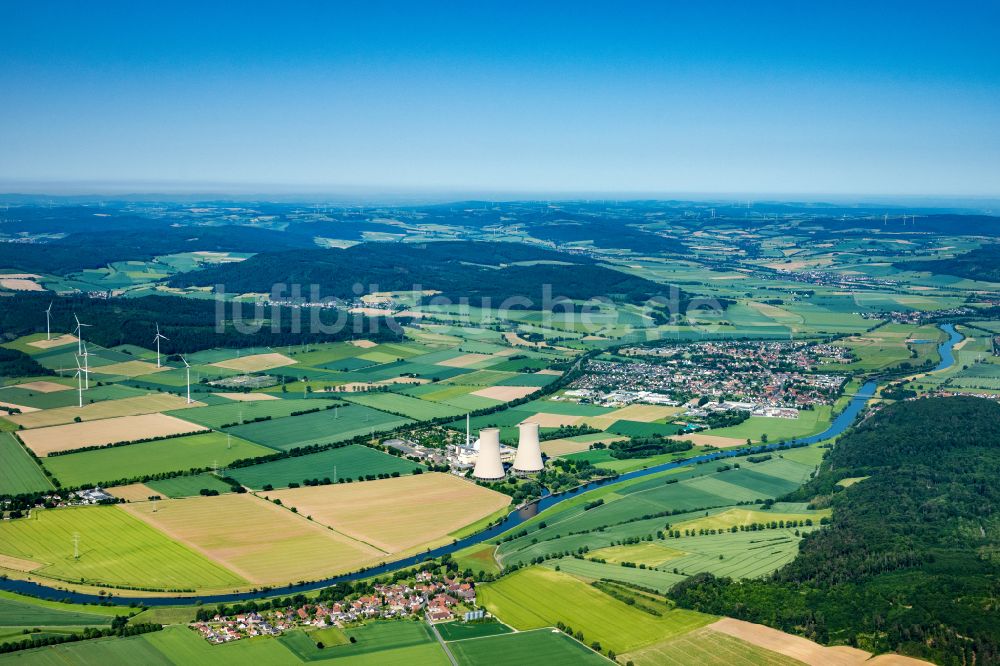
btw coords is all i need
(437, 599)
(773, 379)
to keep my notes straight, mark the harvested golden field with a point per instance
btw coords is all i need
(248, 397)
(398, 514)
(54, 342)
(133, 492)
(505, 393)
(363, 344)
(562, 447)
(20, 284)
(644, 413)
(70, 436)
(256, 363)
(106, 409)
(43, 387)
(262, 542)
(713, 440)
(129, 369)
(547, 420)
(795, 647)
(464, 361)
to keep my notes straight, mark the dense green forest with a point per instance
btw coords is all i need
(980, 264)
(189, 324)
(459, 269)
(14, 363)
(96, 249)
(911, 560)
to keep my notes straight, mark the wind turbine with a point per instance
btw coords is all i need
(79, 335)
(187, 372)
(86, 365)
(157, 341)
(48, 322)
(80, 372)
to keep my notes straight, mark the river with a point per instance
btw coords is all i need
(515, 518)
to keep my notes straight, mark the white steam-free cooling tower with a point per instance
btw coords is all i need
(488, 465)
(529, 451)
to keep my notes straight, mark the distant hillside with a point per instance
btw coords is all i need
(980, 264)
(188, 323)
(96, 249)
(911, 560)
(460, 269)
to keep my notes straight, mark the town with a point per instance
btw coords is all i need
(439, 599)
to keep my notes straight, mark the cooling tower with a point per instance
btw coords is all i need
(488, 465)
(529, 451)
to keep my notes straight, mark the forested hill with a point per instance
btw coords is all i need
(188, 323)
(911, 560)
(96, 249)
(980, 264)
(475, 270)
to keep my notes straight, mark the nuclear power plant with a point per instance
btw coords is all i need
(489, 467)
(529, 452)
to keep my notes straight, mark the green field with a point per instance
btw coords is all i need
(186, 486)
(539, 597)
(661, 581)
(457, 631)
(543, 646)
(396, 403)
(809, 422)
(17, 611)
(166, 455)
(19, 473)
(396, 643)
(698, 488)
(351, 461)
(333, 425)
(114, 548)
(230, 412)
(707, 648)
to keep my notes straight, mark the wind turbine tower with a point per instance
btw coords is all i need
(86, 367)
(157, 340)
(48, 322)
(187, 374)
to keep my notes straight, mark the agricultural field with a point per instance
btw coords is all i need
(710, 648)
(588, 571)
(410, 407)
(187, 486)
(19, 473)
(246, 410)
(541, 646)
(106, 409)
(626, 508)
(237, 532)
(458, 631)
(327, 426)
(809, 422)
(399, 643)
(396, 515)
(539, 597)
(176, 454)
(352, 461)
(114, 549)
(53, 439)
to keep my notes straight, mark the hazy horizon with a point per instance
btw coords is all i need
(850, 100)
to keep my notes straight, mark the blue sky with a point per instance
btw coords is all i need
(668, 97)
